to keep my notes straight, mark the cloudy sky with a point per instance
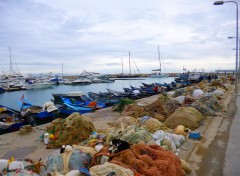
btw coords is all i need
(96, 35)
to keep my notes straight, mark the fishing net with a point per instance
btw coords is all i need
(34, 109)
(77, 160)
(149, 161)
(134, 111)
(217, 82)
(157, 107)
(179, 92)
(203, 108)
(171, 106)
(197, 92)
(132, 134)
(189, 100)
(158, 117)
(123, 122)
(189, 117)
(211, 101)
(153, 125)
(110, 169)
(72, 130)
(163, 97)
(121, 104)
(229, 87)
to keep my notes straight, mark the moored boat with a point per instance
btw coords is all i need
(41, 114)
(10, 120)
(67, 109)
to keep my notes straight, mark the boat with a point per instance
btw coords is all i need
(10, 120)
(2, 90)
(118, 93)
(34, 83)
(148, 85)
(197, 76)
(68, 109)
(84, 103)
(81, 81)
(107, 99)
(41, 114)
(157, 72)
(78, 95)
(129, 75)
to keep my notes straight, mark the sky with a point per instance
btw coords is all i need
(71, 36)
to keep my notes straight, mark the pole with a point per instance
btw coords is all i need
(129, 63)
(239, 59)
(236, 75)
(236, 81)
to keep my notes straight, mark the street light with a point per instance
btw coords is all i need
(221, 3)
(238, 54)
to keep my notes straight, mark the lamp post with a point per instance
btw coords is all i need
(221, 3)
(238, 61)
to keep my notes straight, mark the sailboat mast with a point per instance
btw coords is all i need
(129, 63)
(122, 66)
(10, 69)
(62, 70)
(159, 58)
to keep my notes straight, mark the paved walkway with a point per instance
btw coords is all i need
(232, 155)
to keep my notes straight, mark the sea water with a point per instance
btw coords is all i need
(40, 96)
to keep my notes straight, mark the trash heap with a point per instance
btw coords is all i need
(144, 140)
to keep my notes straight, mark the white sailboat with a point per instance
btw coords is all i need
(157, 72)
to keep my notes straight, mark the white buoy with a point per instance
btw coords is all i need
(46, 138)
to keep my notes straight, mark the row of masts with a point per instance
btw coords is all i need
(129, 63)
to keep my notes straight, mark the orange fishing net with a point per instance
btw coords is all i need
(145, 160)
(149, 161)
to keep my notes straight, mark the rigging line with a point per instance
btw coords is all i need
(164, 65)
(134, 70)
(16, 64)
(135, 64)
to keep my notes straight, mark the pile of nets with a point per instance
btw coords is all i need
(121, 104)
(157, 107)
(207, 104)
(149, 160)
(152, 124)
(171, 106)
(163, 98)
(72, 130)
(179, 92)
(123, 122)
(189, 117)
(134, 111)
(110, 169)
(63, 164)
(132, 134)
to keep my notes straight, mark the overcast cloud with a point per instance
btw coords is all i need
(95, 35)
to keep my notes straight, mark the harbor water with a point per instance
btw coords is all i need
(40, 96)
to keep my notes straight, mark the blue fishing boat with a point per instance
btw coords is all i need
(40, 114)
(84, 103)
(68, 109)
(2, 90)
(10, 120)
(107, 99)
